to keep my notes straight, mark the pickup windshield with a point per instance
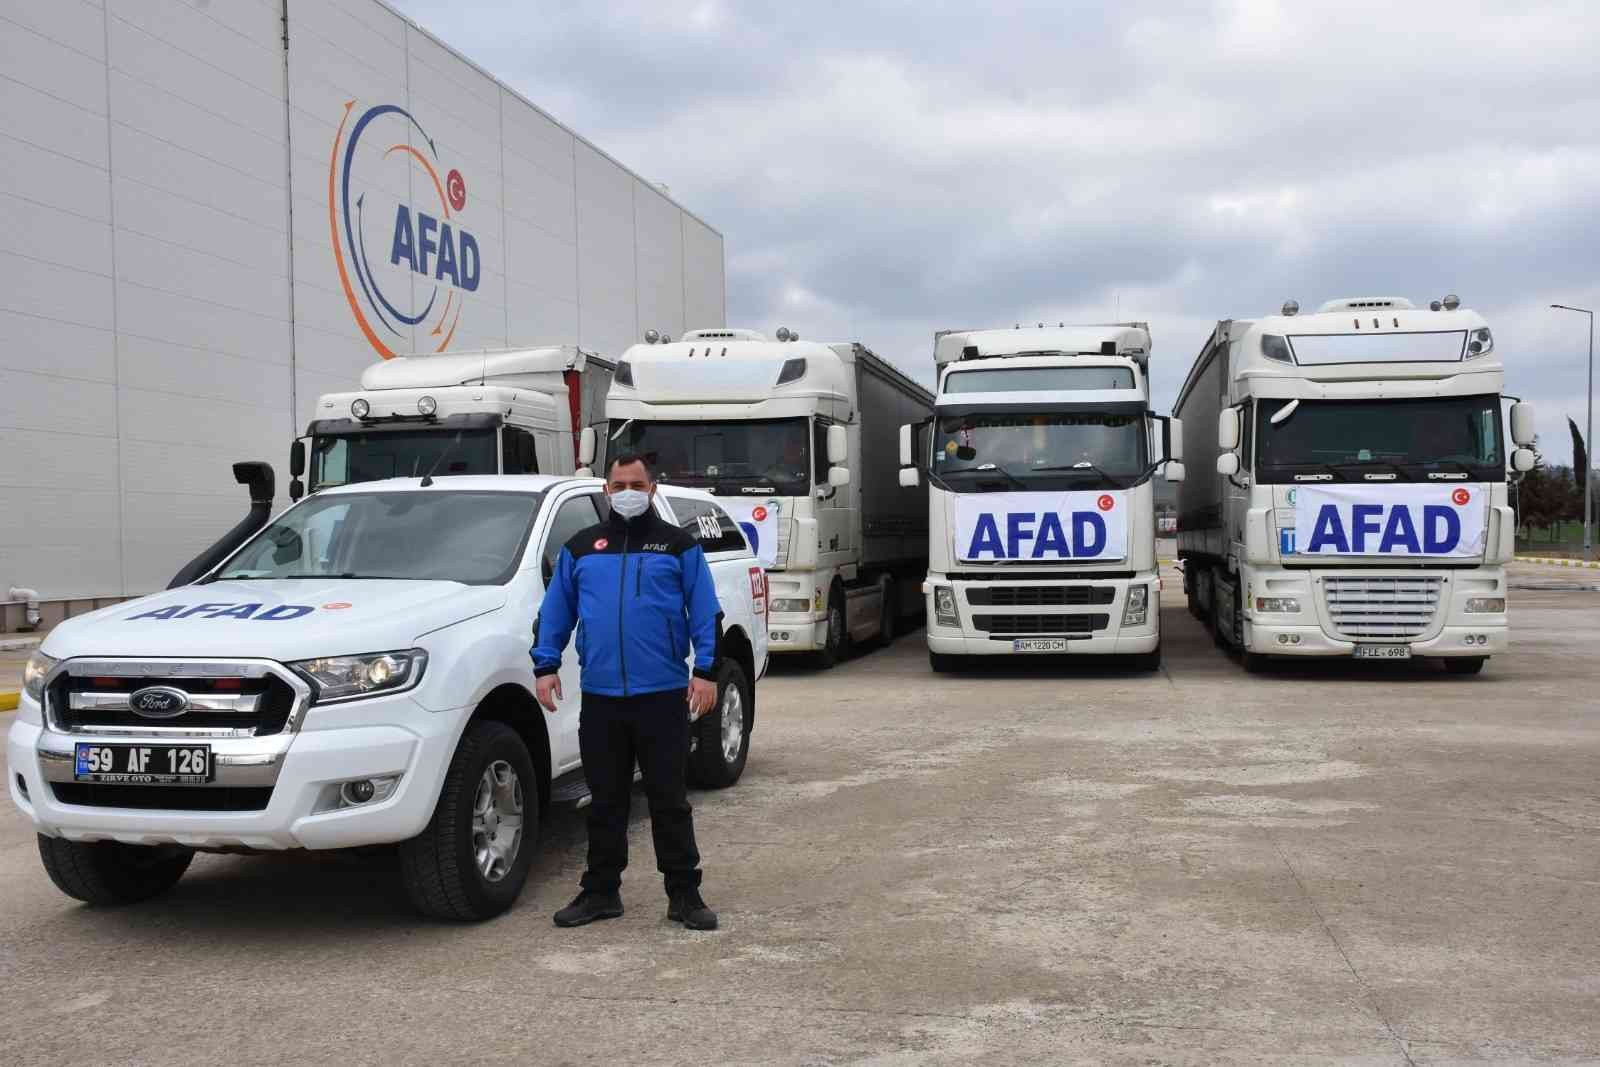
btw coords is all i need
(1017, 450)
(474, 538)
(724, 457)
(369, 457)
(1399, 440)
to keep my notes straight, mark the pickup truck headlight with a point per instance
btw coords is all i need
(1137, 610)
(1278, 605)
(34, 673)
(336, 678)
(1492, 605)
(944, 606)
(791, 604)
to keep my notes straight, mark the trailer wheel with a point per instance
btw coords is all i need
(722, 735)
(470, 861)
(837, 643)
(1465, 664)
(105, 873)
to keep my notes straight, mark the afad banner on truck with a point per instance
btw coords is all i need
(399, 218)
(1389, 520)
(759, 521)
(1041, 526)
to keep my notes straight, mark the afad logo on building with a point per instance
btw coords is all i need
(406, 265)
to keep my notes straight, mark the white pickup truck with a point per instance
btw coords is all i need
(356, 673)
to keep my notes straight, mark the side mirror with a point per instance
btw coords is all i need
(838, 445)
(1228, 464)
(1228, 429)
(297, 457)
(1175, 438)
(297, 489)
(909, 478)
(1175, 469)
(905, 446)
(1522, 423)
(838, 477)
(1523, 459)
(586, 445)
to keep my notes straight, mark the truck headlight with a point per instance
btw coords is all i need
(791, 603)
(1278, 605)
(944, 606)
(1491, 605)
(336, 678)
(1137, 609)
(34, 672)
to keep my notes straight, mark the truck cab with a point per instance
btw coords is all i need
(1042, 530)
(516, 411)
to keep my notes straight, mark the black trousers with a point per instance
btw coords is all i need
(651, 729)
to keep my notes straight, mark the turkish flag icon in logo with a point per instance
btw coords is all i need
(1105, 502)
(600, 545)
(759, 514)
(1460, 496)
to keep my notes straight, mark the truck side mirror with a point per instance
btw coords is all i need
(905, 446)
(1523, 460)
(297, 458)
(1522, 423)
(586, 447)
(297, 489)
(1228, 429)
(1175, 469)
(1228, 464)
(838, 446)
(838, 477)
(909, 478)
(1175, 438)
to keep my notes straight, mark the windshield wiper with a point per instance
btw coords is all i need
(990, 468)
(1378, 463)
(1085, 466)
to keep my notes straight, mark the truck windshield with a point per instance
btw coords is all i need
(1400, 440)
(475, 538)
(725, 457)
(1066, 449)
(368, 457)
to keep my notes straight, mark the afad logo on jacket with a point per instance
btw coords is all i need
(396, 215)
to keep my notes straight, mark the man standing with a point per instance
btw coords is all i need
(638, 590)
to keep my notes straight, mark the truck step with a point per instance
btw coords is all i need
(571, 789)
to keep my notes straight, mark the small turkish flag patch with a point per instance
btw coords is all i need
(600, 545)
(1106, 503)
(1460, 496)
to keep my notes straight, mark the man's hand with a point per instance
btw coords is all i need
(548, 690)
(702, 695)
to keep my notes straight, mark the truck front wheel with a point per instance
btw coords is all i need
(722, 735)
(837, 641)
(470, 861)
(110, 872)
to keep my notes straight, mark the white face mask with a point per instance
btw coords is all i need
(630, 503)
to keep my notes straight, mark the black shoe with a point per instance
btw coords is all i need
(686, 907)
(589, 906)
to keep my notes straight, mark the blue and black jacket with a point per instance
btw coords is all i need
(639, 591)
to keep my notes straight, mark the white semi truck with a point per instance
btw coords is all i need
(1040, 454)
(511, 411)
(797, 439)
(1349, 495)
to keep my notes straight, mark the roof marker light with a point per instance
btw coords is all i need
(360, 408)
(1451, 301)
(785, 334)
(427, 405)
(1291, 307)
(1434, 305)
(651, 337)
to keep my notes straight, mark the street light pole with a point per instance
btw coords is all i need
(1588, 443)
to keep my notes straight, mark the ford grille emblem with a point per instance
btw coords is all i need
(159, 702)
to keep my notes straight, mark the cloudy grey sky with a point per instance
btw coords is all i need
(883, 170)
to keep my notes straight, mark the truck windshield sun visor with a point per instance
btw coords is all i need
(475, 538)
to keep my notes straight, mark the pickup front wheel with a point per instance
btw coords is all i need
(470, 861)
(722, 735)
(110, 872)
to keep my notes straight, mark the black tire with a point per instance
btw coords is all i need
(439, 866)
(1465, 664)
(107, 873)
(838, 641)
(709, 766)
(889, 615)
(944, 662)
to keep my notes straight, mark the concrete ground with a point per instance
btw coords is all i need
(1337, 862)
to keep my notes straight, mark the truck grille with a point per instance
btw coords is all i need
(1031, 596)
(222, 699)
(1382, 607)
(1001, 626)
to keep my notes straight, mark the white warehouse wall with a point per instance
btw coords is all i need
(170, 275)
